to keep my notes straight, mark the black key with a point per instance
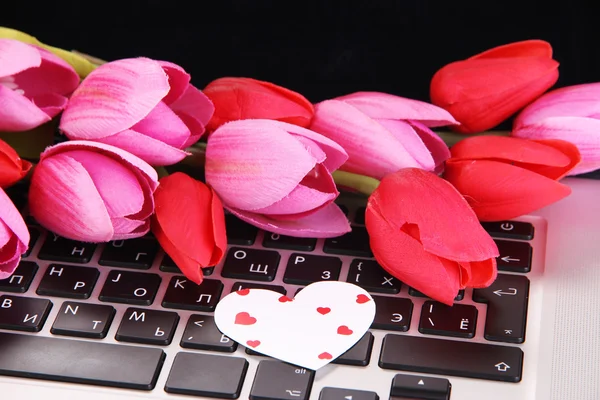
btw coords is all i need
(207, 375)
(79, 361)
(509, 229)
(304, 269)
(140, 325)
(506, 300)
(68, 281)
(251, 285)
(130, 287)
(420, 387)
(331, 393)
(168, 265)
(83, 319)
(413, 292)
(20, 280)
(186, 295)
(359, 217)
(359, 354)
(439, 319)
(138, 253)
(277, 241)
(278, 381)
(355, 243)
(369, 275)
(514, 256)
(34, 235)
(392, 313)
(251, 264)
(58, 248)
(239, 232)
(451, 357)
(23, 313)
(202, 333)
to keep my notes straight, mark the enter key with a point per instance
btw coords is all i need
(506, 300)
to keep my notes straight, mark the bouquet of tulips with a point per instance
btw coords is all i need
(277, 161)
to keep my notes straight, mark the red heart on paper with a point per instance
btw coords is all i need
(361, 299)
(325, 356)
(344, 330)
(244, 318)
(243, 292)
(323, 310)
(253, 343)
(284, 299)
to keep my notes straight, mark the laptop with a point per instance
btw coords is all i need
(119, 321)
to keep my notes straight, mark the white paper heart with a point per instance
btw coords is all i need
(322, 322)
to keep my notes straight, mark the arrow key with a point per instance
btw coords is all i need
(332, 393)
(514, 256)
(506, 300)
(419, 387)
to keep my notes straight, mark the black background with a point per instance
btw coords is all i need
(321, 49)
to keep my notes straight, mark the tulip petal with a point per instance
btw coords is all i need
(164, 125)
(13, 219)
(114, 97)
(17, 113)
(583, 132)
(483, 273)
(16, 56)
(405, 134)
(406, 259)
(244, 160)
(525, 48)
(327, 222)
(62, 195)
(372, 149)
(435, 144)
(118, 187)
(50, 103)
(53, 76)
(178, 81)
(195, 109)
(188, 217)
(246, 98)
(570, 101)
(154, 152)
(12, 168)
(498, 191)
(435, 207)
(387, 106)
(126, 228)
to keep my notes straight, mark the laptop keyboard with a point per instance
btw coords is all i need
(122, 304)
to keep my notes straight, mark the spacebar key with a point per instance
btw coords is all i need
(451, 357)
(80, 361)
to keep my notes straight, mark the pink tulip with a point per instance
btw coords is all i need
(146, 107)
(383, 133)
(92, 192)
(34, 85)
(571, 113)
(14, 236)
(277, 176)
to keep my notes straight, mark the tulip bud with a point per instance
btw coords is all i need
(486, 89)
(425, 234)
(12, 167)
(189, 224)
(505, 177)
(570, 113)
(246, 98)
(277, 176)
(14, 236)
(92, 192)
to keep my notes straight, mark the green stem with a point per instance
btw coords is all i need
(363, 184)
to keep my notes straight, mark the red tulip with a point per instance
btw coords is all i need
(246, 98)
(506, 177)
(486, 89)
(189, 223)
(12, 167)
(423, 232)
